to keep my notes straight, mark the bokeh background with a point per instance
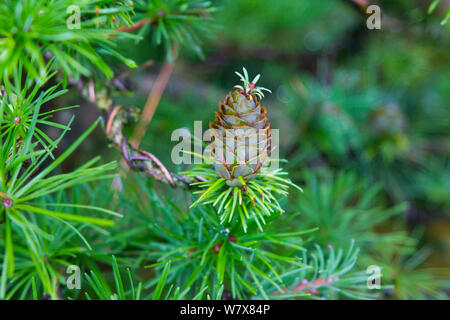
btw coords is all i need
(364, 118)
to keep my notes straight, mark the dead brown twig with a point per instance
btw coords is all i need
(134, 158)
(152, 103)
(135, 26)
(150, 107)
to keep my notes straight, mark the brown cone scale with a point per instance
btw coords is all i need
(241, 137)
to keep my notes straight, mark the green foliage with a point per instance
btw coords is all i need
(344, 208)
(175, 23)
(256, 200)
(331, 275)
(329, 115)
(205, 257)
(364, 117)
(433, 6)
(413, 281)
(20, 103)
(57, 245)
(212, 253)
(103, 291)
(433, 184)
(32, 31)
(255, 90)
(25, 177)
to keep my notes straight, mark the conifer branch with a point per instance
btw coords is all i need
(152, 103)
(133, 27)
(137, 159)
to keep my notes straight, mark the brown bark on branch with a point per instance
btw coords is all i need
(152, 103)
(138, 160)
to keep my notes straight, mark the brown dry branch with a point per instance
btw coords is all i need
(135, 26)
(150, 106)
(154, 21)
(136, 159)
(152, 103)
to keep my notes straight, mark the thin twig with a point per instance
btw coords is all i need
(152, 103)
(145, 65)
(362, 4)
(161, 14)
(135, 26)
(134, 158)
